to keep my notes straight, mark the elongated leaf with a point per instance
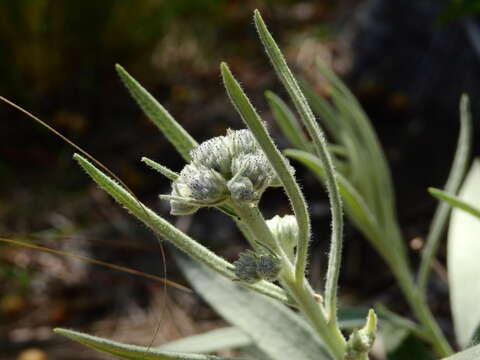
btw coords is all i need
(470, 354)
(326, 113)
(463, 261)
(251, 118)
(288, 122)
(457, 173)
(320, 146)
(455, 201)
(214, 340)
(172, 130)
(169, 174)
(130, 352)
(274, 328)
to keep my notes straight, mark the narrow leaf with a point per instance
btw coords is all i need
(211, 341)
(320, 145)
(275, 157)
(455, 178)
(173, 131)
(455, 201)
(274, 328)
(131, 352)
(287, 121)
(463, 264)
(169, 174)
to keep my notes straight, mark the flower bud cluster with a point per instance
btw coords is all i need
(251, 267)
(231, 166)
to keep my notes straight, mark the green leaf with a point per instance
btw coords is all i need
(211, 341)
(274, 328)
(320, 146)
(277, 160)
(463, 261)
(457, 173)
(470, 354)
(169, 174)
(287, 121)
(131, 352)
(173, 131)
(455, 201)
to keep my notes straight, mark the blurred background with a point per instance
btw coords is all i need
(407, 61)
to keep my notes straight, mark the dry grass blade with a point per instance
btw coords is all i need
(97, 262)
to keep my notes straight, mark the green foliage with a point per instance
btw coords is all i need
(457, 173)
(130, 352)
(231, 172)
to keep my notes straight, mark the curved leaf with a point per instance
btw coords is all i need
(463, 264)
(287, 122)
(131, 352)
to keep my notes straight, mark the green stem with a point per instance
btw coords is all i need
(418, 304)
(300, 291)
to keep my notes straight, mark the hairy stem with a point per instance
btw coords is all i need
(300, 291)
(320, 146)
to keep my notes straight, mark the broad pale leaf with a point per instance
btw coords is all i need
(470, 354)
(274, 328)
(214, 340)
(463, 261)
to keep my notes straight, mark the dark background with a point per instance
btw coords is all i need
(407, 61)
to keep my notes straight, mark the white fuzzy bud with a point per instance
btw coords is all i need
(241, 189)
(200, 184)
(285, 230)
(256, 167)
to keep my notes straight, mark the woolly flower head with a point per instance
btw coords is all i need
(225, 167)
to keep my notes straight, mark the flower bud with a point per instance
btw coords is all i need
(241, 189)
(199, 184)
(246, 267)
(233, 165)
(285, 230)
(254, 166)
(241, 142)
(213, 154)
(361, 341)
(268, 267)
